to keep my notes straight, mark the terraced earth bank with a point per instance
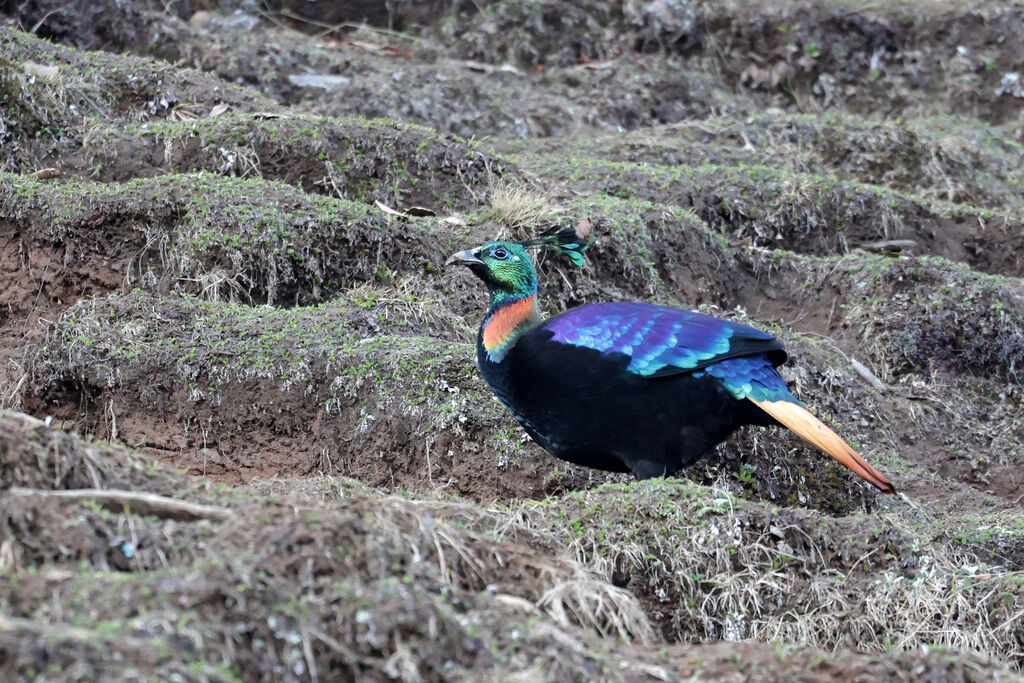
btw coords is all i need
(242, 435)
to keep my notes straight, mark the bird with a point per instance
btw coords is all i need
(629, 386)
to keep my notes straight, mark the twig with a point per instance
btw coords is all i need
(39, 24)
(35, 302)
(866, 374)
(333, 28)
(858, 367)
(890, 246)
(483, 67)
(46, 173)
(307, 653)
(143, 503)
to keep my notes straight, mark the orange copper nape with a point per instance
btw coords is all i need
(506, 319)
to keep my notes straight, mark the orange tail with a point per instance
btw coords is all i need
(814, 431)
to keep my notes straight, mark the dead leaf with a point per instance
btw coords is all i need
(218, 110)
(41, 71)
(388, 210)
(584, 228)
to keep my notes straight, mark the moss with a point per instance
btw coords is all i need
(202, 233)
(788, 150)
(362, 159)
(916, 313)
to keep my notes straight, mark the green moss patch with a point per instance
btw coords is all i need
(203, 233)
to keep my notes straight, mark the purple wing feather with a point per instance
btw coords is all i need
(660, 340)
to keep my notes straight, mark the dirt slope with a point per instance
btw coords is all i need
(243, 436)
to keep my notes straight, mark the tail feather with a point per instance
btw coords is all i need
(814, 431)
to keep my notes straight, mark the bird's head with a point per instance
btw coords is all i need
(505, 268)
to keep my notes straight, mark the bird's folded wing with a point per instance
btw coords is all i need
(659, 340)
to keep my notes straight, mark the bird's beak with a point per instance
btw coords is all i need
(463, 258)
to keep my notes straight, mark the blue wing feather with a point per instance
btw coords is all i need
(663, 341)
(750, 377)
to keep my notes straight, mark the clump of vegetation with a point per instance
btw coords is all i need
(933, 315)
(734, 570)
(520, 208)
(971, 324)
(442, 585)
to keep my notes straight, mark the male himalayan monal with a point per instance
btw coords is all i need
(629, 387)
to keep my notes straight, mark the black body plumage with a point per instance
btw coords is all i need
(585, 407)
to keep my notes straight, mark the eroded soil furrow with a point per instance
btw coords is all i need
(805, 213)
(353, 388)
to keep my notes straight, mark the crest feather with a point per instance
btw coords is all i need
(568, 242)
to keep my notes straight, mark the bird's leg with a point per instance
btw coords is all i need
(648, 469)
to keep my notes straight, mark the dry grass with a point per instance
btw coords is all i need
(14, 378)
(518, 207)
(406, 300)
(594, 602)
(218, 285)
(457, 537)
(730, 572)
(724, 568)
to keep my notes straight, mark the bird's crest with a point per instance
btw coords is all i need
(568, 242)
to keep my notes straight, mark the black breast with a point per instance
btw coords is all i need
(585, 407)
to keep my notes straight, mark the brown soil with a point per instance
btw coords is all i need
(218, 267)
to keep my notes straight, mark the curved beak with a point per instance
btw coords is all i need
(463, 258)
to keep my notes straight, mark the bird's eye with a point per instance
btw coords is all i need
(500, 253)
